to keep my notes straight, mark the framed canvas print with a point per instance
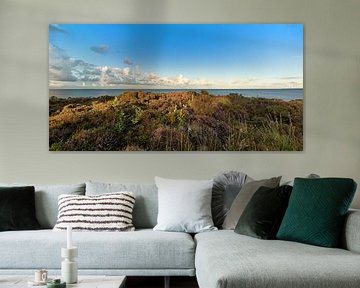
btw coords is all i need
(176, 87)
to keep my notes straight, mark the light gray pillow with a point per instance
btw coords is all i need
(243, 198)
(146, 204)
(184, 205)
(46, 200)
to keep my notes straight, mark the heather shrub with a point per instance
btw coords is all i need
(175, 121)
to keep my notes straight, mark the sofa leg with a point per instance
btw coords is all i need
(167, 282)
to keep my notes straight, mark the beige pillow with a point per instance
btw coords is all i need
(243, 198)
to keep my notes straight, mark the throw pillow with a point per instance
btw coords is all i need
(46, 200)
(17, 209)
(243, 198)
(184, 205)
(263, 215)
(226, 187)
(317, 209)
(106, 212)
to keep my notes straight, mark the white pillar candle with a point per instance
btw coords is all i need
(69, 237)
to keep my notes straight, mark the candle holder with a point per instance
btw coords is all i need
(69, 271)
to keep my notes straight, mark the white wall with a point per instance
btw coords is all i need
(332, 91)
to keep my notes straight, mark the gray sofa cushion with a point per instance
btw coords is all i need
(146, 204)
(46, 200)
(226, 259)
(143, 249)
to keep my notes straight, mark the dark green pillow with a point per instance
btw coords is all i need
(17, 208)
(263, 214)
(316, 211)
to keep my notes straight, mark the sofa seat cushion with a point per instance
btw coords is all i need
(142, 249)
(225, 259)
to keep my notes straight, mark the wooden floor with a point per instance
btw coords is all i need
(158, 282)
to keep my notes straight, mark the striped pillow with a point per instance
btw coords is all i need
(105, 212)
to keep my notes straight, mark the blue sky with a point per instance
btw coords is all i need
(176, 55)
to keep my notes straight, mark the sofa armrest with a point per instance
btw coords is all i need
(351, 234)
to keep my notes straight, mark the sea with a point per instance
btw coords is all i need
(284, 94)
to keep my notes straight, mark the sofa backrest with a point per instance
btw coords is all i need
(146, 203)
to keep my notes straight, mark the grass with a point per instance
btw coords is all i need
(175, 121)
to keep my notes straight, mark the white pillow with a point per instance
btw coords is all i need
(184, 205)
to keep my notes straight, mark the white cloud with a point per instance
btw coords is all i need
(179, 81)
(126, 71)
(65, 71)
(111, 76)
(59, 68)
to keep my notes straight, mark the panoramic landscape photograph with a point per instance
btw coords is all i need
(176, 87)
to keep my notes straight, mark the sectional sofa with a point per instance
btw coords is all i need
(219, 259)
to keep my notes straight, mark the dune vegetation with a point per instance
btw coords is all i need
(175, 121)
